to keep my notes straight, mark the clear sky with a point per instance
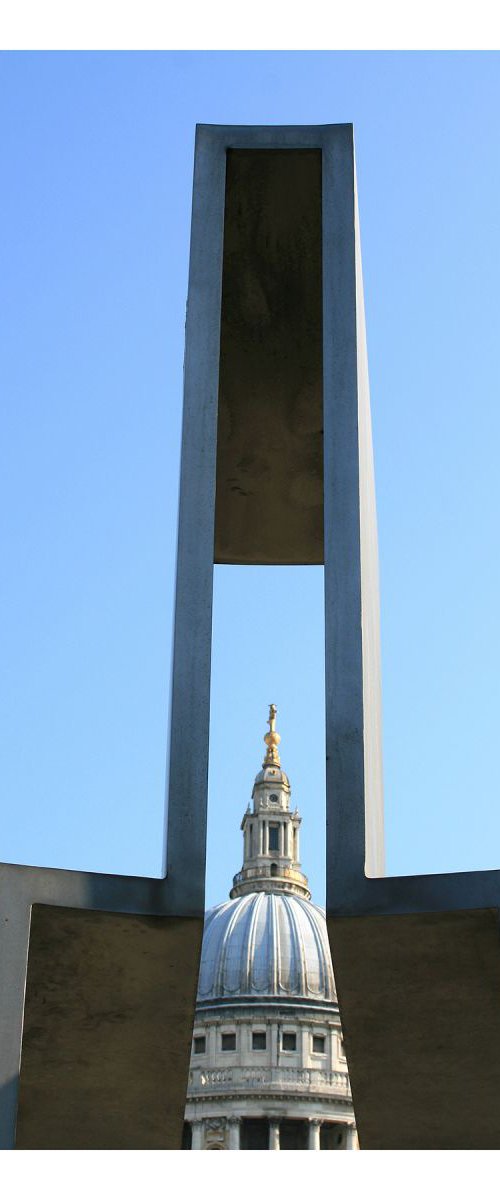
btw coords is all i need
(96, 165)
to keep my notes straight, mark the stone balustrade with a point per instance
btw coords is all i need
(283, 1079)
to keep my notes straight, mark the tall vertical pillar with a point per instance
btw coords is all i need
(332, 1046)
(274, 1043)
(274, 1135)
(234, 1133)
(351, 1138)
(211, 1043)
(314, 1135)
(197, 1135)
(305, 1046)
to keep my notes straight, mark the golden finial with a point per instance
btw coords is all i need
(272, 740)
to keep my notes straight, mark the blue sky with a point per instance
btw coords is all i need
(96, 192)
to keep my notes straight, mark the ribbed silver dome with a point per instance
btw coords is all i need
(266, 944)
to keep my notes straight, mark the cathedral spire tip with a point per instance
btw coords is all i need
(272, 740)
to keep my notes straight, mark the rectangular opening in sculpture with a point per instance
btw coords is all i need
(269, 502)
(268, 647)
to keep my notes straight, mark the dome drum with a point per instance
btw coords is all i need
(284, 878)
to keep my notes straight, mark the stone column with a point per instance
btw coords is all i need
(314, 1128)
(197, 1135)
(274, 1034)
(265, 830)
(274, 1135)
(331, 1042)
(305, 1046)
(351, 1138)
(211, 1043)
(281, 841)
(234, 1133)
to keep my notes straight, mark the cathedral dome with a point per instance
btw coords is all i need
(266, 944)
(273, 775)
(268, 1067)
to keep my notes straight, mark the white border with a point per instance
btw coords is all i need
(262, 25)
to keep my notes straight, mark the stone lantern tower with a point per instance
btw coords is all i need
(271, 830)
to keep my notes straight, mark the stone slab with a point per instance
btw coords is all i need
(419, 998)
(107, 1030)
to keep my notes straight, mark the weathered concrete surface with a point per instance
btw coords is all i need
(355, 835)
(396, 989)
(416, 967)
(419, 1002)
(269, 506)
(107, 1032)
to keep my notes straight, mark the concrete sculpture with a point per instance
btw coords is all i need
(276, 468)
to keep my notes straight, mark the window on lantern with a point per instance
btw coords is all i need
(258, 1041)
(199, 1045)
(228, 1041)
(273, 837)
(318, 1044)
(289, 1041)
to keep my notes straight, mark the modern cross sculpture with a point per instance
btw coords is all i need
(276, 468)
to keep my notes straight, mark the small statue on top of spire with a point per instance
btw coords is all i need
(272, 740)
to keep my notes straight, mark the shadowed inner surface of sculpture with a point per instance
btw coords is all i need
(269, 502)
(107, 1030)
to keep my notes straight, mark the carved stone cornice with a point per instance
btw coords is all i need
(265, 1098)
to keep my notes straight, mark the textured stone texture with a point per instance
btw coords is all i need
(419, 1002)
(269, 506)
(107, 1034)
